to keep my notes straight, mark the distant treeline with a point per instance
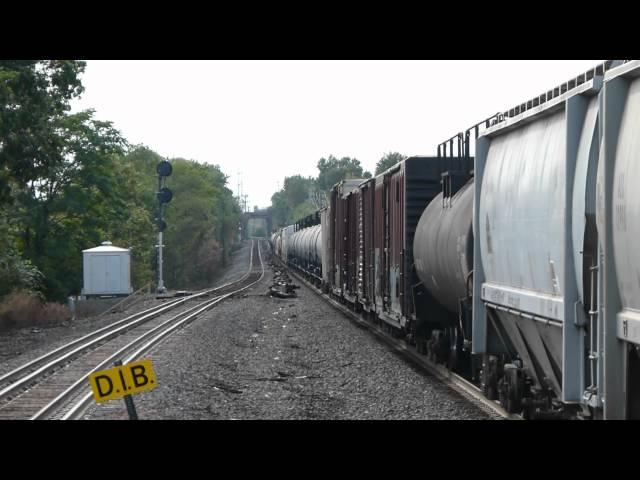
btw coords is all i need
(301, 196)
(70, 181)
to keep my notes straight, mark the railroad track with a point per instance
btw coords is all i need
(449, 378)
(55, 386)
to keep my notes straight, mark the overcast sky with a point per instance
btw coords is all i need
(271, 119)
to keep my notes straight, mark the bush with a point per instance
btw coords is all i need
(16, 273)
(21, 309)
(53, 313)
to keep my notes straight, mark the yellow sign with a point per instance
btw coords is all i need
(135, 377)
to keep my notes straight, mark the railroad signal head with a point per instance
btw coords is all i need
(164, 168)
(165, 195)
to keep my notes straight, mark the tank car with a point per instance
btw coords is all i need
(286, 242)
(443, 255)
(529, 298)
(535, 253)
(276, 243)
(305, 251)
(614, 326)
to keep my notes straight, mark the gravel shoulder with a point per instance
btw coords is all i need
(23, 345)
(258, 357)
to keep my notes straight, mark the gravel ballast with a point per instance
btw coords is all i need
(257, 357)
(20, 346)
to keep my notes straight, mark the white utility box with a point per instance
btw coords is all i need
(107, 270)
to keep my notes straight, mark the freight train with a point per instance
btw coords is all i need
(516, 267)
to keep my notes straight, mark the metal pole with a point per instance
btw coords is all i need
(161, 288)
(72, 307)
(128, 399)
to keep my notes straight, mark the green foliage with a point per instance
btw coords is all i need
(279, 208)
(71, 206)
(202, 222)
(54, 173)
(287, 203)
(301, 196)
(388, 161)
(301, 211)
(136, 229)
(69, 182)
(16, 273)
(34, 99)
(297, 189)
(333, 171)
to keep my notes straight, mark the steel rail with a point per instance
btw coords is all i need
(161, 332)
(447, 377)
(60, 399)
(25, 375)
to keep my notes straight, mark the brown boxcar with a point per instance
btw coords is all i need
(343, 218)
(366, 284)
(350, 264)
(401, 195)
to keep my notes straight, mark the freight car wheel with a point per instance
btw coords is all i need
(490, 377)
(511, 389)
(455, 347)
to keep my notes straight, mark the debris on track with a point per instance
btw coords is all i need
(283, 286)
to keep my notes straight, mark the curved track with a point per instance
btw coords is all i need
(55, 384)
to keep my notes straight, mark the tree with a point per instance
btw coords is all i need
(60, 175)
(318, 199)
(72, 203)
(333, 171)
(69, 182)
(136, 228)
(16, 273)
(34, 99)
(300, 211)
(388, 161)
(302, 196)
(202, 220)
(279, 208)
(296, 189)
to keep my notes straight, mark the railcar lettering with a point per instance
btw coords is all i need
(497, 296)
(513, 301)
